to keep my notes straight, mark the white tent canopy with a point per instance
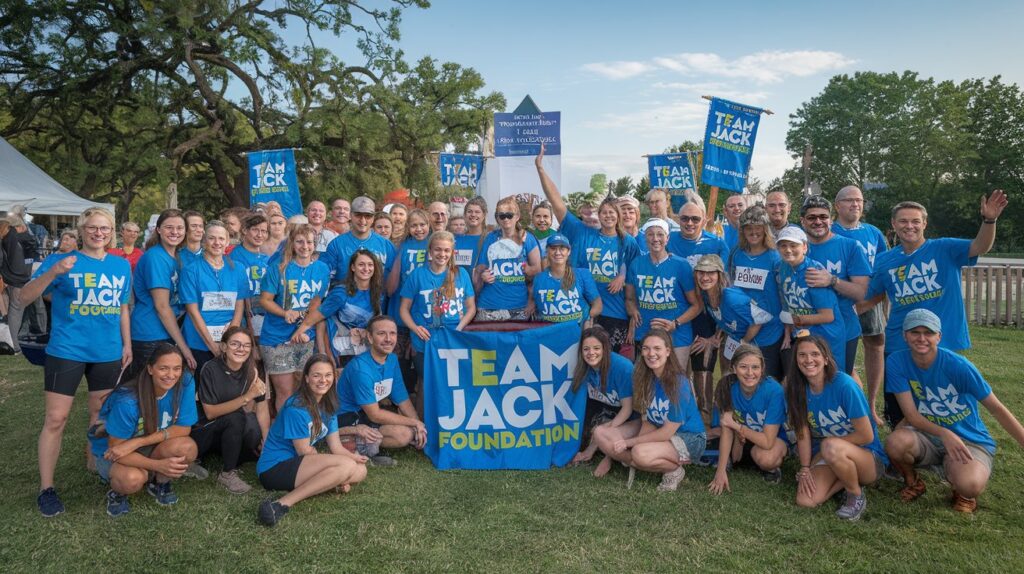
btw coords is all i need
(23, 183)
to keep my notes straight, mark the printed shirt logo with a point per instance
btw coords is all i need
(302, 292)
(603, 265)
(795, 296)
(941, 406)
(507, 261)
(610, 398)
(916, 282)
(657, 412)
(560, 305)
(830, 422)
(96, 294)
(656, 293)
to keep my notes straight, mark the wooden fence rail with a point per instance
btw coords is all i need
(994, 295)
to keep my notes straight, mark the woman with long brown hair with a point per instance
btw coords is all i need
(672, 434)
(290, 461)
(141, 439)
(837, 440)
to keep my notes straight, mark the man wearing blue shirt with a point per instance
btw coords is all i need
(872, 316)
(368, 379)
(939, 391)
(846, 269)
(362, 236)
(924, 273)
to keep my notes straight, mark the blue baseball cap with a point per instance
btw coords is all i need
(558, 239)
(922, 318)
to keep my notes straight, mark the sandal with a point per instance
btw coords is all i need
(964, 504)
(912, 492)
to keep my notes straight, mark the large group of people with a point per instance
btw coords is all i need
(257, 337)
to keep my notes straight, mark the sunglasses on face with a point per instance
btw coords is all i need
(504, 215)
(689, 219)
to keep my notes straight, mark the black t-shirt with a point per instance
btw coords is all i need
(219, 384)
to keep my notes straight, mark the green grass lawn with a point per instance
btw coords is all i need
(414, 519)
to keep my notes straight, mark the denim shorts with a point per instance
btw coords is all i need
(286, 358)
(689, 445)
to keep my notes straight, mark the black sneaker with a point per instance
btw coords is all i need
(49, 503)
(117, 504)
(162, 492)
(271, 511)
(772, 476)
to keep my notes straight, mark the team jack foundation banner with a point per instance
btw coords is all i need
(272, 178)
(503, 400)
(671, 172)
(729, 143)
(460, 169)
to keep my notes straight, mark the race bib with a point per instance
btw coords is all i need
(730, 347)
(344, 344)
(786, 317)
(382, 389)
(216, 331)
(219, 300)
(750, 278)
(464, 257)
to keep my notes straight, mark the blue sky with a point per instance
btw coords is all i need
(627, 76)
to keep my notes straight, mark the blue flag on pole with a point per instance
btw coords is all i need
(522, 134)
(729, 143)
(461, 169)
(671, 172)
(272, 178)
(502, 400)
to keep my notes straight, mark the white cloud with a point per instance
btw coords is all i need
(655, 117)
(618, 70)
(766, 67)
(718, 89)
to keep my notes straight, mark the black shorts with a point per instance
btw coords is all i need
(62, 376)
(851, 355)
(357, 418)
(697, 361)
(282, 475)
(617, 330)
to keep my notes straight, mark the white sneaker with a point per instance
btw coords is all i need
(670, 480)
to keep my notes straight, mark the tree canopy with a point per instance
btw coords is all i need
(115, 99)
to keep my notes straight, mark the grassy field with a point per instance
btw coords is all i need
(414, 519)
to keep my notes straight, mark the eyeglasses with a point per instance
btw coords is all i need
(821, 217)
(239, 345)
(690, 218)
(504, 215)
(104, 229)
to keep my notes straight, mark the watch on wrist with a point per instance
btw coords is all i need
(835, 281)
(989, 221)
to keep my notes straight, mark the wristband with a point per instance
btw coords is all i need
(165, 433)
(989, 221)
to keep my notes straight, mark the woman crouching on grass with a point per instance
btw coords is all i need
(609, 380)
(836, 436)
(142, 437)
(289, 460)
(751, 410)
(672, 434)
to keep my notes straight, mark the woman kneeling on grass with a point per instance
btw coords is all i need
(289, 460)
(609, 380)
(672, 433)
(751, 409)
(142, 437)
(836, 436)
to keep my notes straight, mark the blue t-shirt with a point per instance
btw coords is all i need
(731, 236)
(767, 406)
(756, 275)
(302, 285)
(189, 257)
(693, 249)
(352, 311)
(465, 251)
(684, 412)
(254, 266)
(293, 422)
(618, 386)
(868, 237)
(843, 258)
(86, 307)
(737, 312)
(661, 294)
(215, 292)
(411, 256)
(122, 417)
(507, 260)
(928, 278)
(156, 269)
(366, 382)
(947, 393)
(341, 248)
(831, 413)
(799, 299)
(430, 308)
(606, 256)
(556, 305)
